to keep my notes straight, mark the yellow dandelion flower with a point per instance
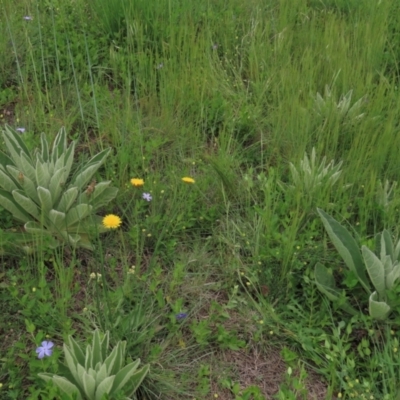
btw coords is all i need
(111, 221)
(187, 179)
(137, 182)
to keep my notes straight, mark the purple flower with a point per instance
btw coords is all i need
(181, 316)
(28, 18)
(45, 349)
(20, 130)
(147, 196)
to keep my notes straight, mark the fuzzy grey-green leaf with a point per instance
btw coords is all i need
(67, 199)
(375, 270)
(378, 310)
(104, 387)
(42, 174)
(8, 202)
(57, 218)
(124, 375)
(346, 246)
(46, 202)
(26, 203)
(66, 386)
(77, 213)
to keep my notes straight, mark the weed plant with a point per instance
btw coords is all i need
(221, 267)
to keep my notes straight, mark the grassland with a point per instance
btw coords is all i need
(229, 94)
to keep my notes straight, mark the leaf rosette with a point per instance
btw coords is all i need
(55, 201)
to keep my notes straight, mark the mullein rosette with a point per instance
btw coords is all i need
(96, 372)
(382, 268)
(55, 201)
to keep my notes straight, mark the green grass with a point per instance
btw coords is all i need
(224, 92)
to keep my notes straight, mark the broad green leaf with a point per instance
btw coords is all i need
(15, 146)
(42, 174)
(59, 145)
(71, 239)
(57, 218)
(104, 387)
(35, 228)
(104, 198)
(16, 138)
(54, 185)
(80, 369)
(69, 158)
(98, 158)
(121, 358)
(46, 376)
(85, 176)
(60, 162)
(96, 348)
(388, 244)
(84, 226)
(46, 201)
(92, 373)
(397, 251)
(76, 350)
(378, 309)
(5, 160)
(67, 199)
(67, 387)
(346, 246)
(72, 363)
(392, 276)
(26, 203)
(88, 357)
(6, 182)
(78, 213)
(98, 190)
(375, 270)
(85, 243)
(8, 202)
(110, 361)
(40, 159)
(15, 152)
(89, 385)
(124, 375)
(137, 379)
(62, 142)
(45, 147)
(104, 345)
(101, 374)
(27, 168)
(26, 183)
(387, 264)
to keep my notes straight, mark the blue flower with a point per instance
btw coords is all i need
(45, 349)
(181, 316)
(147, 196)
